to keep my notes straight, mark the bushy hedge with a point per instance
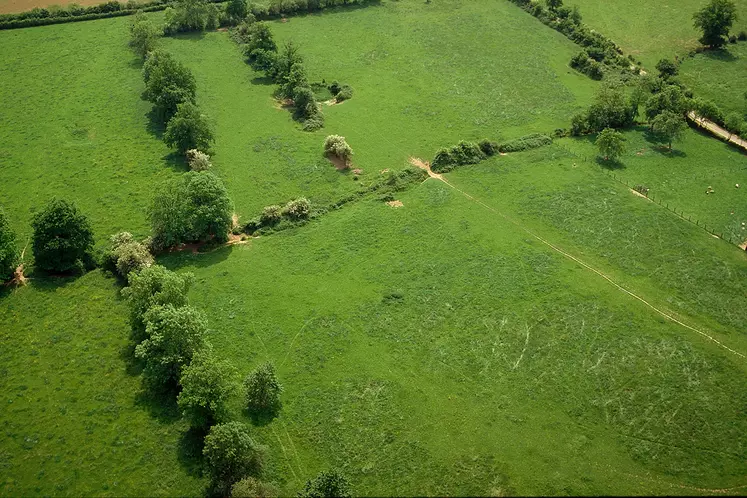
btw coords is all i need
(448, 158)
(533, 141)
(584, 63)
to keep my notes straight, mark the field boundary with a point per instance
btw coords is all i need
(714, 129)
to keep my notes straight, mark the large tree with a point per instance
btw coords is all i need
(8, 249)
(715, 20)
(168, 83)
(326, 484)
(611, 144)
(62, 239)
(669, 126)
(188, 129)
(231, 455)
(155, 286)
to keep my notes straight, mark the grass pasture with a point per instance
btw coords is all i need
(438, 348)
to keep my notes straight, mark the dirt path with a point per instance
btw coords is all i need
(424, 165)
(717, 130)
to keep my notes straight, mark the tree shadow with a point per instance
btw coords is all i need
(191, 36)
(262, 80)
(176, 260)
(155, 126)
(720, 54)
(657, 146)
(159, 403)
(46, 282)
(189, 451)
(610, 164)
(133, 366)
(176, 162)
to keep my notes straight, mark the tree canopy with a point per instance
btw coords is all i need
(207, 383)
(62, 239)
(188, 129)
(611, 144)
(715, 20)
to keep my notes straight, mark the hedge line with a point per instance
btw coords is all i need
(533, 141)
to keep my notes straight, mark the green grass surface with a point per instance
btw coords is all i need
(720, 77)
(650, 30)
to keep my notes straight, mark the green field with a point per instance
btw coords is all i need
(508, 333)
(650, 30)
(720, 77)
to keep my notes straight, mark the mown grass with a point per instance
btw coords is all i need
(719, 76)
(650, 30)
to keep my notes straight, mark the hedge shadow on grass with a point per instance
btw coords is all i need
(189, 451)
(159, 403)
(721, 54)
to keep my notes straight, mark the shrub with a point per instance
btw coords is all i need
(62, 238)
(345, 93)
(337, 146)
(126, 255)
(249, 487)
(742, 36)
(192, 207)
(155, 286)
(329, 483)
(314, 123)
(733, 122)
(527, 142)
(271, 215)
(207, 384)
(580, 124)
(262, 390)
(611, 144)
(666, 68)
(297, 209)
(231, 455)
(8, 249)
(488, 148)
(198, 161)
(733, 39)
(463, 153)
(188, 129)
(334, 87)
(236, 10)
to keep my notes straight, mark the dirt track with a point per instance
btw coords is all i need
(717, 130)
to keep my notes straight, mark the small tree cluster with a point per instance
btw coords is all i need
(715, 21)
(666, 68)
(188, 129)
(236, 11)
(144, 34)
(8, 249)
(168, 83)
(584, 63)
(191, 15)
(340, 92)
(262, 390)
(336, 145)
(194, 207)
(126, 255)
(62, 238)
(155, 286)
(327, 484)
(611, 109)
(198, 161)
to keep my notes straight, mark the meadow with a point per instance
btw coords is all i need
(446, 347)
(719, 77)
(650, 31)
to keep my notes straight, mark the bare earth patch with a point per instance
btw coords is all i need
(395, 204)
(743, 245)
(338, 163)
(635, 192)
(333, 102)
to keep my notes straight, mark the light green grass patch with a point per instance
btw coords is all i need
(720, 77)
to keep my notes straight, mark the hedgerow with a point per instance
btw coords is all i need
(533, 141)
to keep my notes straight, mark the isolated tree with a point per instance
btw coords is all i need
(155, 286)
(207, 384)
(231, 455)
(733, 123)
(338, 147)
(8, 249)
(236, 10)
(188, 129)
(715, 20)
(326, 484)
(669, 126)
(126, 255)
(173, 336)
(667, 68)
(250, 487)
(611, 144)
(262, 390)
(144, 34)
(62, 239)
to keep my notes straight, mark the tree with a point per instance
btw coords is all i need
(231, 455)
(207, 383)
(611, 144)
(198, 161)
(8, 249)
(337, 146)
(194, 207)
(708, 110)
(666, 68)
(671, 98)
(733, 123)
(62, 239)
(144, 34)
(262, 390)
(126, 255)
(326, 484)
(174, 335)
(187, 15)
(669, 126)
(611, 109)
(155, 286)
(168, 83)
(258, 41)
(188, 129)
(715, 20)
(249, 487)
(236, 10)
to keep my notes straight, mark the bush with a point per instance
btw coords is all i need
(173, 336)
(8, 249)
(62, 238)
(527, 142)
(126, 255)
(188, 129)
(198, 161)
(314, 123)
(666, 68)
(249, 487)
(155, 286)
(488, 148)
(297, 209)
(194, 207)
(144, 34)
(231, 455)
(463, 153)
(580, 124)
(337, 146)
(733, 122)
(327, 484)
(345, 93)
(271, 215)
(334, 87)
(207, 384)
(742, 36)
(262, 390)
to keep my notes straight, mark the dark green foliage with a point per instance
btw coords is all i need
(334, 87)
(742, 36)
(327, 484)
(155, 286)
(305, 102)
(666, 68)
(193, 207)
(715, 20)
(671, 98)
(257, 42)
(188, 129)
(173, 336)
(190, 15)
(733, 122)
(463, 153)
(8, 249)
(236, 11)
(669, 126)
(231, 455)
(262, 390)
(62, 239)
(611, 109)
(249, 487)
(168, 83)
(611, 144)
(533, 141)
(125, 255)
(207, 384)
(584, 63)
(488, 148)
(144, 34)
(580, 124)
(554, 5)
(344, 93)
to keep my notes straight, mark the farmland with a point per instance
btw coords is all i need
(526, 326)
